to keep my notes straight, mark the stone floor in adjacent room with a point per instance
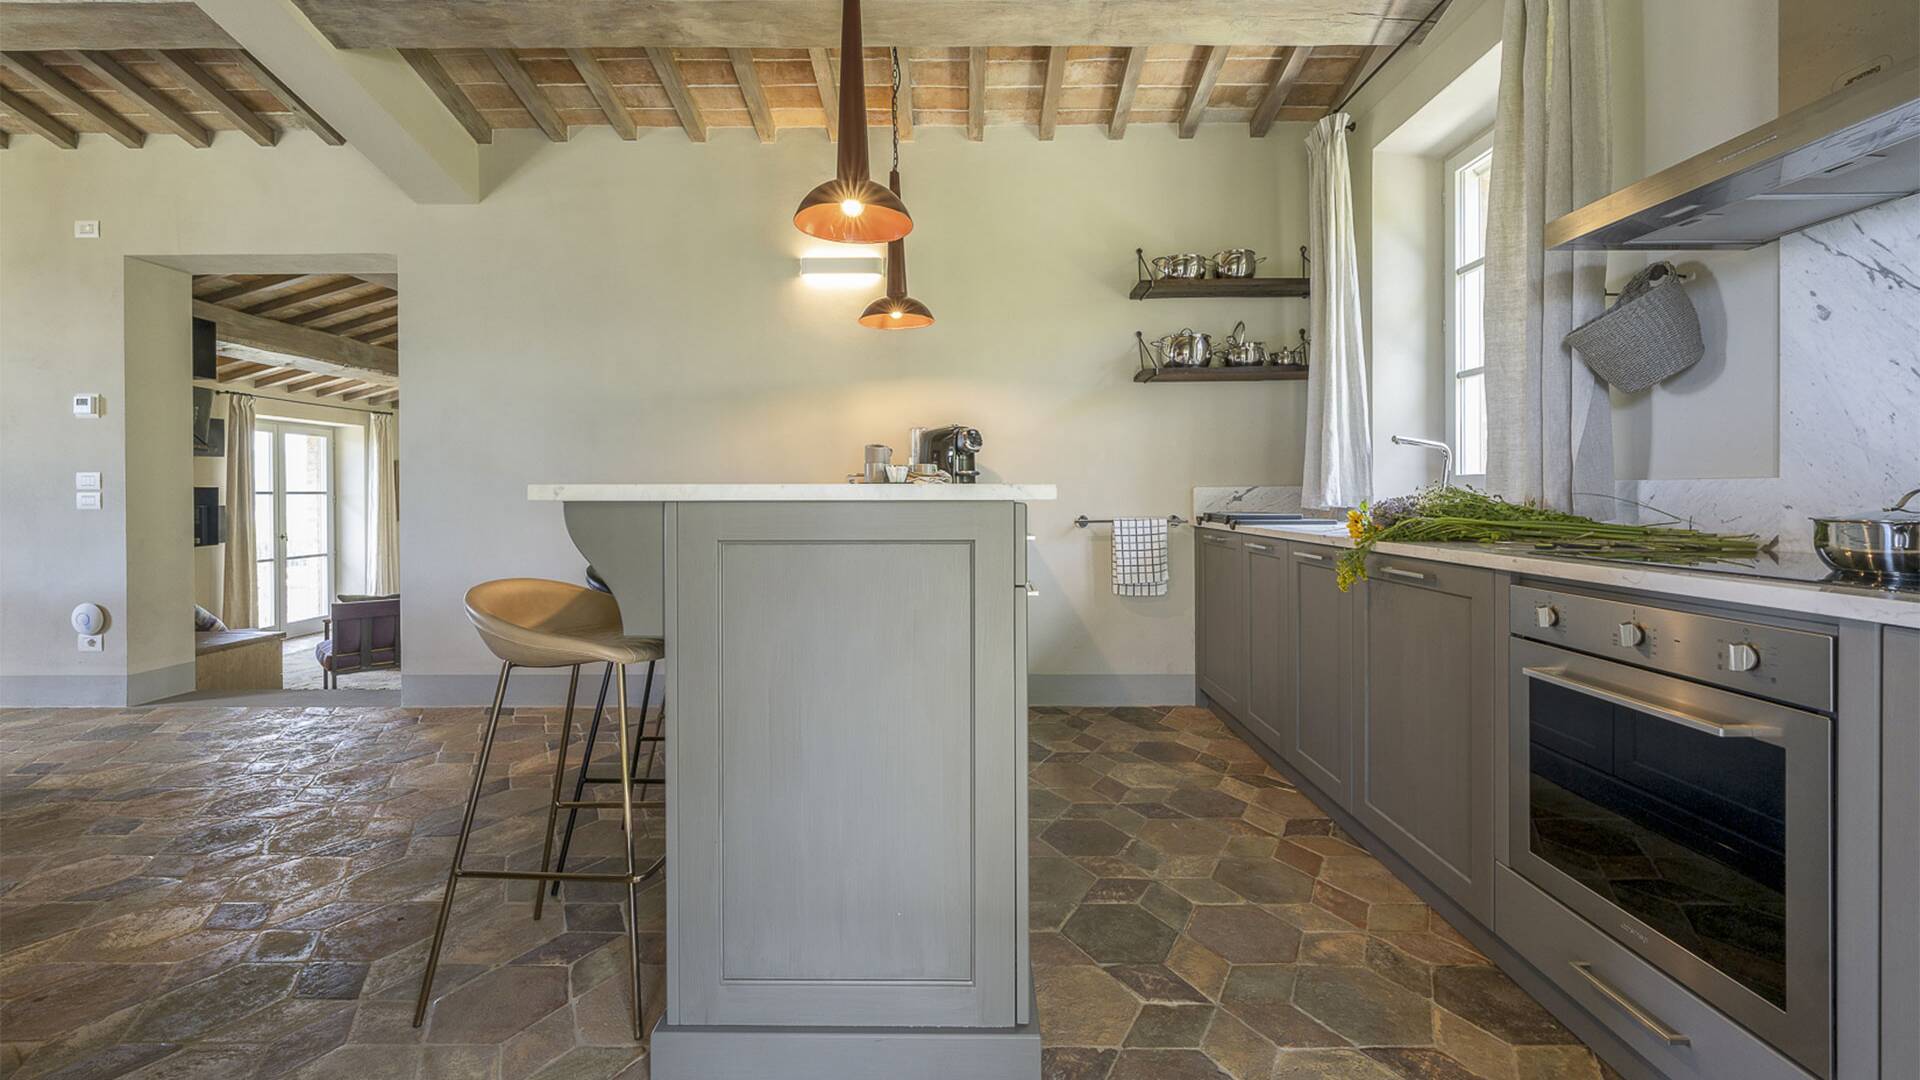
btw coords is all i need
(193, 892)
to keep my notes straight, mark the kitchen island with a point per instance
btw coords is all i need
(846, 780)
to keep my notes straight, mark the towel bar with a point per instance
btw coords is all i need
(1083, 521)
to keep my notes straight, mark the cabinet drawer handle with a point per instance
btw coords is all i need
(1309, 557)
(1251, 546)
(1405, 575)
(1641, 1016)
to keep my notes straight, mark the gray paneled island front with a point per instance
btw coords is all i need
(846, 780)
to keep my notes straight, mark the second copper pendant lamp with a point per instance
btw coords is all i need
(896, 310)
(851, 208)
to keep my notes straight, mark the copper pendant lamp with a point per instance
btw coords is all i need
(896, 310)
(851, 208)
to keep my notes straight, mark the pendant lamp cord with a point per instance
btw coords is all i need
(893, 109)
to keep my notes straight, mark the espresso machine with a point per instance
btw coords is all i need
(952, 448)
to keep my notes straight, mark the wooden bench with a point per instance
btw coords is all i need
(237, 660)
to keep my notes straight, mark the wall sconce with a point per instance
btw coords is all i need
(842, 271)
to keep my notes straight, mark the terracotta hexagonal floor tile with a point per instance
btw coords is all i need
(1119, 934)
(1244, 934)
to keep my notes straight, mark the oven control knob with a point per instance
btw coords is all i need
(1630, 635)
(1545, 615)
(1742, 657)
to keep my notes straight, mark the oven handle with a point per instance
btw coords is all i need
(1684, 719)
(1646, 1019)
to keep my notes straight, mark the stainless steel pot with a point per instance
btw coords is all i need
(1237, 351)
(1236, 263)
(1185, 267)
(1184, 348)
(1883, 544)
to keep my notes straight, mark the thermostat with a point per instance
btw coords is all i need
(88, 406)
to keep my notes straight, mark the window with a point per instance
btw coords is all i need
(1468, 176)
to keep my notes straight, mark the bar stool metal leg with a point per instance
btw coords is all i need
(460, 848)
(633, 886)
(586, 762)
(559, 777)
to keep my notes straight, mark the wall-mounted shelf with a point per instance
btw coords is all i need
(1221, 374)
(1179, 289)
(1149, 287)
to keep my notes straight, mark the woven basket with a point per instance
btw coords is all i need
(1651, 333)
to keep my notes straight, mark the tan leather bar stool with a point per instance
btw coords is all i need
(529, 622)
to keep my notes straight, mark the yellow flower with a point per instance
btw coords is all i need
(1356, 525)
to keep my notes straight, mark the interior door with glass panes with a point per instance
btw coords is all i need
(293, 524)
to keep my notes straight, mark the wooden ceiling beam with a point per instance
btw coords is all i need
(314, 384)
(977, 93)
(1215, 59)
(217, 97)
(675, 84)
(240, 369)
(1050, 97)
(313, 121)
(295, 299)
(351, 307)
(364, 390)
(427, 66)
(1129, 85)
(283, 375)
(531, 97)
(365, 322)
(162, 108)
(748, 77)
(30, 116)
(5, 140)
(57, 86)
(903, 107)
(803, 24)
(1277, 91)
(241, 328)
(258, 285)
(603, 93)
(823, 78)
(91, 24)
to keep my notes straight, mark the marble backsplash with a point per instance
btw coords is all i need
(1849, 384)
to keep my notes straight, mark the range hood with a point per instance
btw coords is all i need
(1840, 153)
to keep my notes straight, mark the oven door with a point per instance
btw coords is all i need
(1691, 824)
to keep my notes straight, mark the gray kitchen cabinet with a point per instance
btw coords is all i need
(1220, 620)
(1424, 721)
(1269, 602)
(1900, 854)
(1316, 666)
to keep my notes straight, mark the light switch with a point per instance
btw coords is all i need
(86, 230)
(86, 500)
(90, 642)
(86, 481)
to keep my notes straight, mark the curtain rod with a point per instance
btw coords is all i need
(1411, 34)
(388, 410)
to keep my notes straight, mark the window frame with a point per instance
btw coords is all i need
(279, 428)
(1456, 163)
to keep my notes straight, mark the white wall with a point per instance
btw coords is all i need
(631, 311)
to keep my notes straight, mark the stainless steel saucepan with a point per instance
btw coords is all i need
(1882, 544)
(1183, 348)
(1187, 267)
(1236, 262)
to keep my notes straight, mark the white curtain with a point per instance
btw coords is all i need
(239, 596)
(1550, 434)
(1339, 465)
(383, 505)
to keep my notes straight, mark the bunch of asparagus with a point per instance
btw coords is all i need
(1457, 514)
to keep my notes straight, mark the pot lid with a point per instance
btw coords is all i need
(1898, 514)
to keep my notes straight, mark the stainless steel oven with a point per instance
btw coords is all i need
(1671, 781)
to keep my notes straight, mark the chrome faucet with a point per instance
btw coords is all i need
(1446, 455)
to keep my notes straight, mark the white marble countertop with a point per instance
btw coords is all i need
(1831, 601)
(842, 492)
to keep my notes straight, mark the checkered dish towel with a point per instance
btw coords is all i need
(1140, 557)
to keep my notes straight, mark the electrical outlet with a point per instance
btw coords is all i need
(86, 500)
(86, 230)
(91, 642)
(86, 481)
